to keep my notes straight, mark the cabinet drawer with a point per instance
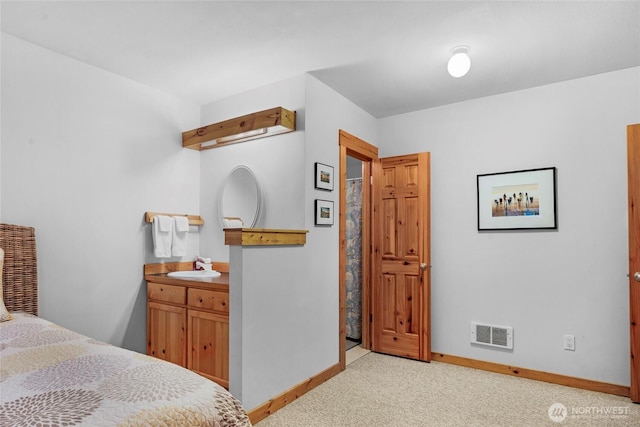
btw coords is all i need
(209, 300)
(166, 293)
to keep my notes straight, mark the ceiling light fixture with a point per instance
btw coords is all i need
(459, 63)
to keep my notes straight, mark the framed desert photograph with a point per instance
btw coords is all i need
(517, 200)
(324, 177)
(324, 212)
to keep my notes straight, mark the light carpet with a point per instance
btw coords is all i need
(380, 390)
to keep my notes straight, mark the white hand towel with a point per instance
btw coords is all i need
(231, 222)
(162, 232)
(180, 232)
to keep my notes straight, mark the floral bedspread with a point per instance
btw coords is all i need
(52, 376)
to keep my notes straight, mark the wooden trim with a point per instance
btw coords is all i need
(360, 148)
(424, 180)
(273, 121)
(167, 267)
(618, 390)
(222, 267)
(264, 237)
(633, 179)
(263, 411)
(350, 145)
(342, 258)
(376, 235)
(193, 219)
(367, 240)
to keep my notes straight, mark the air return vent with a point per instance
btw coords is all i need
(495, 336)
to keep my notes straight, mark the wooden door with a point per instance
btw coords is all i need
(401, 285)
(633, 168)
(166, 326)
(208, 343)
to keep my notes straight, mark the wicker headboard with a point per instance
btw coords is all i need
(20, 272)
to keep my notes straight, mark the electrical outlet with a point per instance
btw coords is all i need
(570, 342)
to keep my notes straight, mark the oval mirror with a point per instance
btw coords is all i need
(240, 199)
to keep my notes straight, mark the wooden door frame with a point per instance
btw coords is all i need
(633, 158)
(353, 146)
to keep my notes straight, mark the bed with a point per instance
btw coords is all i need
(52, 376)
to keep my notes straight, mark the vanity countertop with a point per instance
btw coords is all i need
(215, 283)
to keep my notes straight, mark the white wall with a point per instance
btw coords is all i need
(84, 154)
(284, 300)
(274, 160)
(544, 284)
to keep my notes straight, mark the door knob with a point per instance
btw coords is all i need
(636, 276)
(424, 266)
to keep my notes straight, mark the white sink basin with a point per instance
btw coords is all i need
(194, 274)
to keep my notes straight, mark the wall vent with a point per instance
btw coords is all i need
(495, 336)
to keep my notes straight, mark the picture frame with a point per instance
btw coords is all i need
(517, 200)
(323, 177)
(324, 212)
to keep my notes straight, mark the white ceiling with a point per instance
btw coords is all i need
(388, 57)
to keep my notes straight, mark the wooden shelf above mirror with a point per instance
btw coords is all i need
(265, 123)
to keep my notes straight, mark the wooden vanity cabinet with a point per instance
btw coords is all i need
(189, 326)
(166, 333)
(167, 323)
(208, 334)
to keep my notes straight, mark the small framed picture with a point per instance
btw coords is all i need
(517, 200)
(324, 177)
(324, 212)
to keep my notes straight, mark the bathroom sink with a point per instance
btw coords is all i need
(194, 274)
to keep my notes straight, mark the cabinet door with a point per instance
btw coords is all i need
(166, 326)
(208, 343)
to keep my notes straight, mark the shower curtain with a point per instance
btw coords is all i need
(354, 258)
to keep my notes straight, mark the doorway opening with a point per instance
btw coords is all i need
(396, 251)
(364, 156)
(353, 276)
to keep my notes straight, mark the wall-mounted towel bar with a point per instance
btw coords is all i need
(193, 219)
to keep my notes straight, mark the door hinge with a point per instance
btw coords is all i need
(370, 179)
